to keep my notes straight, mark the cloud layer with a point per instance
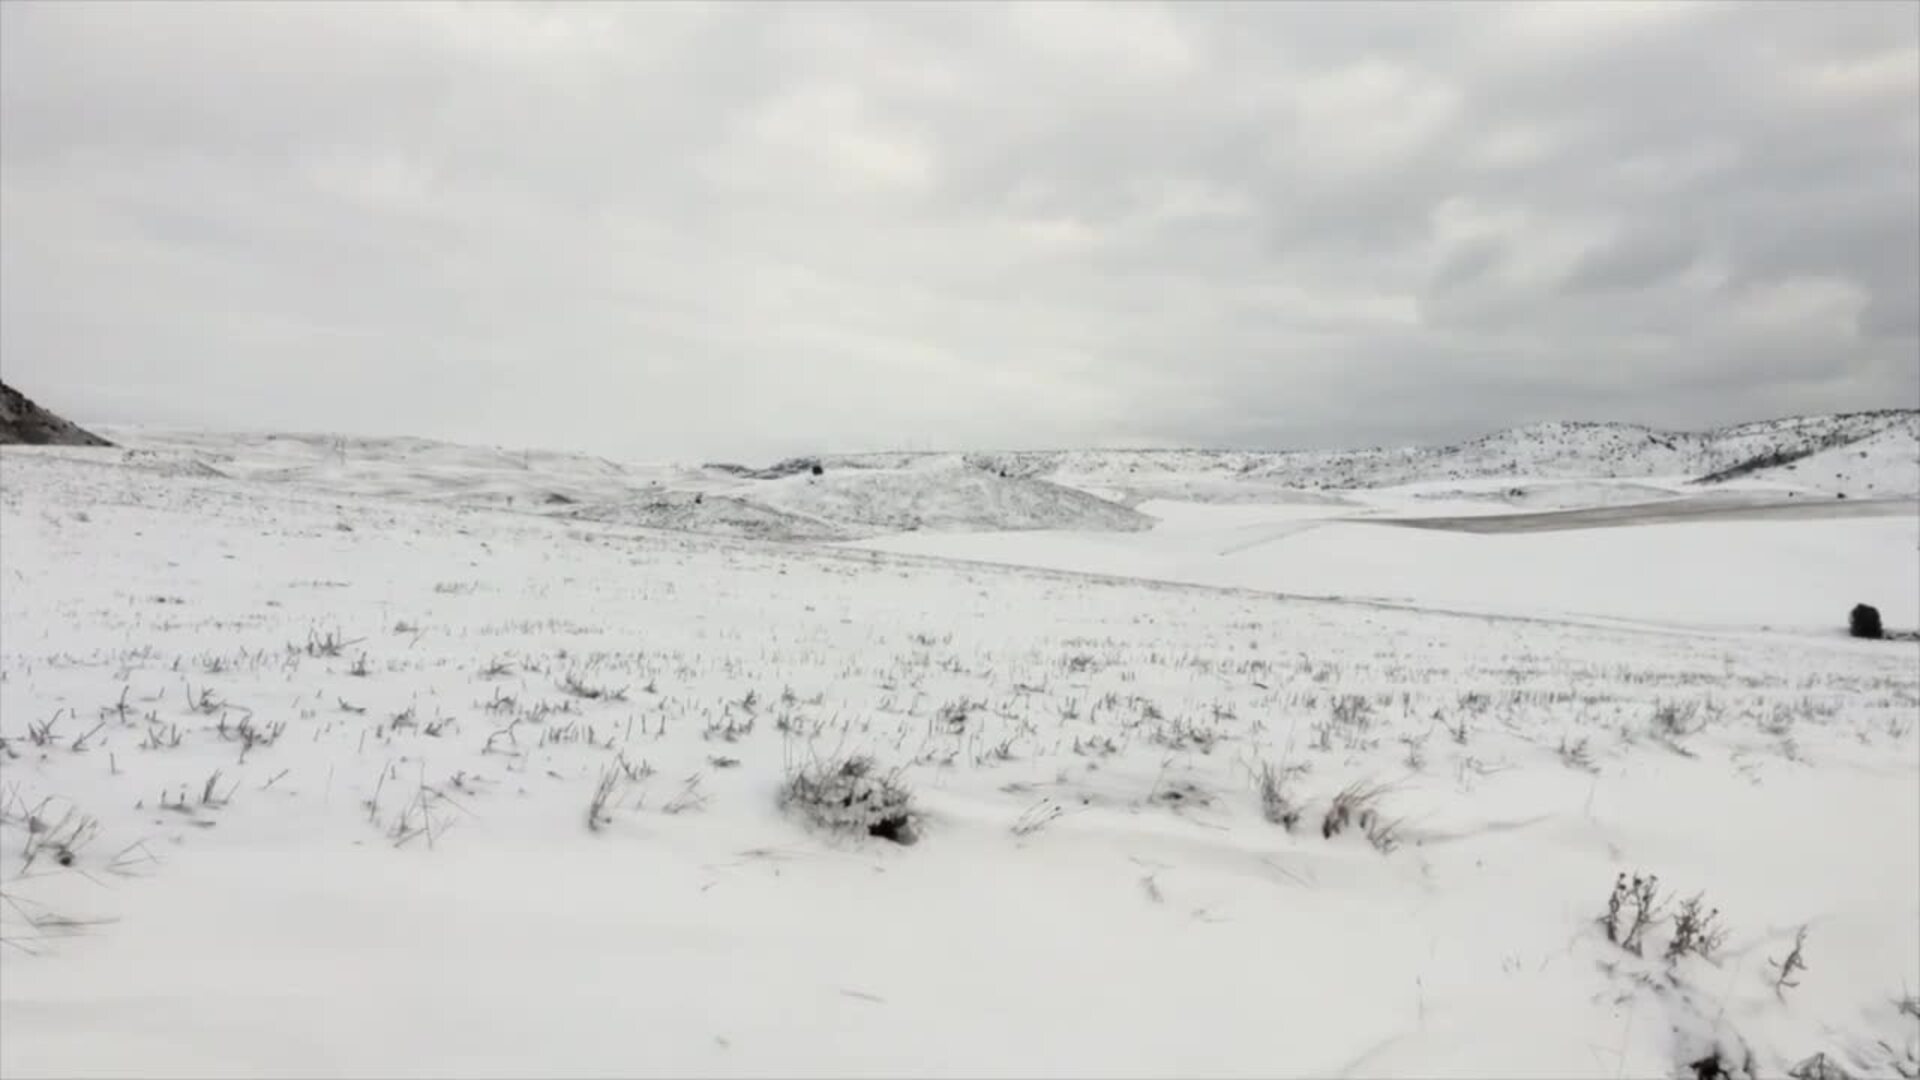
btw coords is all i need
(747, 230)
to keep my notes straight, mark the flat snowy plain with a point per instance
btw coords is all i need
(302, 783)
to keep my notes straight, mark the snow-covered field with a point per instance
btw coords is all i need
(308, 774)
(1794, 567)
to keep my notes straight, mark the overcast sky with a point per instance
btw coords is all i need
(746, 231)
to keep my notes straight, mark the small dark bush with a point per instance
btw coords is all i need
(1865, 622)
(1694, 932)
(848, 796)
(1632, 909)
(817, 469)
(1722, 1065)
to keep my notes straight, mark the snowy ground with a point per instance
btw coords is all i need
(302, 782)
(1785, 565)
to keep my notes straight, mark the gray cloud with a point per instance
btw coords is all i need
(1633, 262)
(733, 230)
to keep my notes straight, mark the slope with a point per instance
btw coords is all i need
(23, 422)
(1886, 463)
(941, 496)
(1555, 450)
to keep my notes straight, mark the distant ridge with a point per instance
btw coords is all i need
(1550, 466)
(1559, 449)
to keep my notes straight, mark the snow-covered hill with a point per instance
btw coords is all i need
(1883, 464)
(785, 502)
(409, 467)
(943, 496)
(1557, 450)
(1542, 466)
(712, 515)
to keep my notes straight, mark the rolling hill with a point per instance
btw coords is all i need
(1556, 450)
(857, 496)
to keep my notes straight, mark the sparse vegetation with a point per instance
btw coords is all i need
(1790, 966)
(1066, 724)
(1695, 931)
(1276, 803)
(1037, 817)
(1575, 754)
(1632, 909)
(597, 816)
(573, 683)
(1357, 806)
(848, 795)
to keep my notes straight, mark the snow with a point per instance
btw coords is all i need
(1736, 568)
(1540, 467)
(1559, 450)
(943, 497)
(409, 468)
(1553, 495)
(403, 881)
(918, 492)
(1881, 464)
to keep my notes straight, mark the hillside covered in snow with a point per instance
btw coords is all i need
(1872, 455)
(1884, 464)
(928, 492)
(1549, 450)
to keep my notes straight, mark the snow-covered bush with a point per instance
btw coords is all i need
(847, 795)
(1358, 805)
(1277, 804)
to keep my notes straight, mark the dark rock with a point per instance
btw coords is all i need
(1864, 622)
(22, 421)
